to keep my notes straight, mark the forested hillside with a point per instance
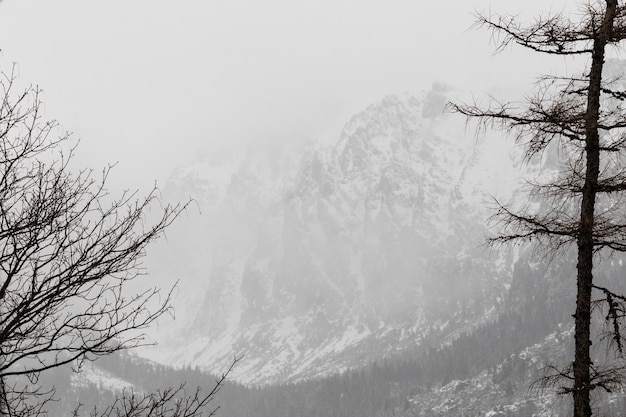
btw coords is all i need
(491, 368)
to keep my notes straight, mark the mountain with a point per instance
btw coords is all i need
(310, 260)
(490, 370)
(354, 279)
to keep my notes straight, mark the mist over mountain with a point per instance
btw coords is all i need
(310, 260)
(353, 278)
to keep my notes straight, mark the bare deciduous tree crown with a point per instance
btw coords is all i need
(68, 250)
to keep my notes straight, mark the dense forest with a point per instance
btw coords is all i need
(493, 366)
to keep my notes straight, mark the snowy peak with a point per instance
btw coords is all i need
(325, 260)
(392, 164)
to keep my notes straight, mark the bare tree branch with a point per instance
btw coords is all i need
(583, 120)
(68, 250)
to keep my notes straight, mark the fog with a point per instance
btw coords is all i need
(145, 84)
(353, 278)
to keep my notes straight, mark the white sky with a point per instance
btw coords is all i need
(147, 82)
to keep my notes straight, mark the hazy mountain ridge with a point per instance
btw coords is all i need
(487, 370)
(318, 260)
(352, 277)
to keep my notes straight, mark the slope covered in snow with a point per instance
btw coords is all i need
(311, 261)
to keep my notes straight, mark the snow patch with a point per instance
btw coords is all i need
(89, 374)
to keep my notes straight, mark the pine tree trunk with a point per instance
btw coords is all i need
(582, 318)
(582, 360)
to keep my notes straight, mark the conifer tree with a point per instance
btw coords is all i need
(584, 119)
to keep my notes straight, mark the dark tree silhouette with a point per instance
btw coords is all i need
(583, 118)
(68, 250)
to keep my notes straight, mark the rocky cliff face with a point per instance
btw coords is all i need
(309, 261)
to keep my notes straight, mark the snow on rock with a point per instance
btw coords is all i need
(308, 263)
(90, 374)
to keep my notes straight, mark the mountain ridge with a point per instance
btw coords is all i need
(347, 252)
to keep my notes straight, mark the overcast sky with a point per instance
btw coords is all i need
(148, 82)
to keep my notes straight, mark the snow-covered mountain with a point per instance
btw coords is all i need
(310, 260)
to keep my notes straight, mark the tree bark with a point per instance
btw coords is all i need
(582, 358)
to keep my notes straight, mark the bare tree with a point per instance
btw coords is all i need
(68, 250)
(583, 118)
